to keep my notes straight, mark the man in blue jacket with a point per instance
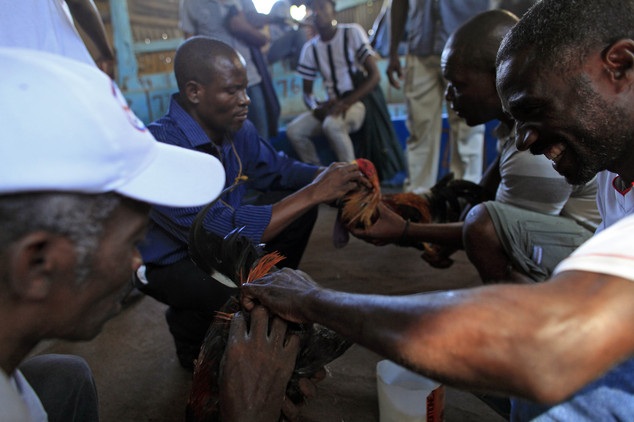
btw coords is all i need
(209, 114)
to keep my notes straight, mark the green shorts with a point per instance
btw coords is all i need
(534, 242)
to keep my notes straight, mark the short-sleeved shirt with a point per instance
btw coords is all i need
(331, 58)
(18, 400)
(615, 202)
(610, 397)
(207, 17)
(530, 182)
(609, 252)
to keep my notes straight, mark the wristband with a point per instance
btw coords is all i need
(404, 235)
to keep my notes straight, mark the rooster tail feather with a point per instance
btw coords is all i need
(202, 250)
(264, 265)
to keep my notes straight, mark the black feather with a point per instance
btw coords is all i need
(233, 255)
(449, 197)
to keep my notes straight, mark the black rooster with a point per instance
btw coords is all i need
(234, 260)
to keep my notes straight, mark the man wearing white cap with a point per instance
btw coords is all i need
(77, 174)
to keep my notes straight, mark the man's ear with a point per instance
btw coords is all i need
(193, 91)
(618, 60)
(33, 262)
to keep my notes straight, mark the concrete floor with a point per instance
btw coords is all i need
(139, 379)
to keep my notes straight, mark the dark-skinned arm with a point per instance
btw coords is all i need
(260, 19)
(240, 27)
(89, 20)
(371, 81)
(320, 109)
(541, 342)
(328, 186)
(390, 228)
(398, 19)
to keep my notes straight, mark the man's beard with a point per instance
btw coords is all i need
(603, 138)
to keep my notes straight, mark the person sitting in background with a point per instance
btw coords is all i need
(72, 213)
(209, 114)
(336, 53)
(536, 218)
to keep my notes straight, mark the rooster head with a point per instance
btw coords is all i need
(367, 168)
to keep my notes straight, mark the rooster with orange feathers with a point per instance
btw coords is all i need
(444, 203)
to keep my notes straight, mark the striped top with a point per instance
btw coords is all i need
(530, 182)
(331, 58)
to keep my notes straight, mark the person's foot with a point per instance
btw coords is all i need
(188, 333)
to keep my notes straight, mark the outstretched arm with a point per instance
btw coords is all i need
(87, 17)
(542, 342)
(392, 228)
(328, 186)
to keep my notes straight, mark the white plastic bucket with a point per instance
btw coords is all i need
(405, 396)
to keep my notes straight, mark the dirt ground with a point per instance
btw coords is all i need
(139, 379)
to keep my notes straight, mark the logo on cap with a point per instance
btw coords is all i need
(132, 118)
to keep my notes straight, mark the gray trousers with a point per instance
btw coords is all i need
(64, 385)
(337, 129)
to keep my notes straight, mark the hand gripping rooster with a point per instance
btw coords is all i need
(444, 203)
(234, 260)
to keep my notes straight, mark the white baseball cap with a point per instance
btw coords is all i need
(65, 126)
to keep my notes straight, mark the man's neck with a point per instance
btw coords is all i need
(328, 33)
(215, 137)
(623, 167)
(624, 182)
(13, 351)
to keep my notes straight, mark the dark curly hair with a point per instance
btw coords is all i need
(195, 60)
(561, 33)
